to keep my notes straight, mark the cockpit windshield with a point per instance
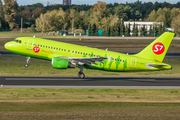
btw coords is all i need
(18, 41)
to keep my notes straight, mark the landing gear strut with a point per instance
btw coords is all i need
(27, 61)
(81, 74)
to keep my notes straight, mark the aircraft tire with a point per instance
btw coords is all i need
(81, 75)
(26, 65)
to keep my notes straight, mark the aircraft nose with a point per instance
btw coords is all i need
(7, 45)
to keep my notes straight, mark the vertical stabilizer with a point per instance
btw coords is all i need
(157, 49)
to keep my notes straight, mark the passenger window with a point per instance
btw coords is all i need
(56, 48)
(51, 47)
(38, 44)
(78, 52)
(46, 46)
(19, 41)
(81, 52)
(41, 46)
(68, 50)
(64, 49)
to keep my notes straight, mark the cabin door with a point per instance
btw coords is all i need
(30, 44)
(133, 63)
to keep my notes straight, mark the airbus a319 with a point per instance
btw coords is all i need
(64, 55)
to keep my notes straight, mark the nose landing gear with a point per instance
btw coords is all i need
(27, 61)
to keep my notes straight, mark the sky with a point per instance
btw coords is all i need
(90, 2)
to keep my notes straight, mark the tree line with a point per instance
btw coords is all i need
(100, 16)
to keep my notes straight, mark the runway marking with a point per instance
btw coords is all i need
(23, 79)
(101, 87)
(142, 79)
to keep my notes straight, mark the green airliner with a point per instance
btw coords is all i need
(63, 55)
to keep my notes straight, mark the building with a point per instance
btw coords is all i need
(141, 24)
(66, 2)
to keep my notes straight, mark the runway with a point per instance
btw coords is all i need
(90, 82)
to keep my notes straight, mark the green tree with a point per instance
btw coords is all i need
(122, 28)
(96, 32)
(143, 31)
(116, 29)
(155, 30)
(134, 27)
(126, 31)
(112, 31)
(52, 21)
(89, 30)
(11, 12)
(176, 25)
(33, 28)
(135, 30)
(152, 16)
(151, 31)
(1, 14)
(93, 29)
(160, 29)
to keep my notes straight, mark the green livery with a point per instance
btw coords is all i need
(64, 55)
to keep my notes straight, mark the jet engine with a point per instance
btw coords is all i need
(60, 63)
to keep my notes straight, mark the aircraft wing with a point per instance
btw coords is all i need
(86, 60)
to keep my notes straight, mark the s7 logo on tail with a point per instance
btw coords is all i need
(158, 48)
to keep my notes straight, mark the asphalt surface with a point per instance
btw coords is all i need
(90, 82)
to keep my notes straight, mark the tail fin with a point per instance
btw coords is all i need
(158, 48)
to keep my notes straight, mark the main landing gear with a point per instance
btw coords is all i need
(81, 74)
(27, 61)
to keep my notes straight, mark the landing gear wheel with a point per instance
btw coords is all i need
(26, 65)
(81, 75)
(27, 61)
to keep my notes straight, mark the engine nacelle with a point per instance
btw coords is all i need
(60, 63)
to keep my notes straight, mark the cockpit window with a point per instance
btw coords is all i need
(18, 41)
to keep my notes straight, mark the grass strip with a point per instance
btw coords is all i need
(89, 110)
(80, 104)
(89, 95)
